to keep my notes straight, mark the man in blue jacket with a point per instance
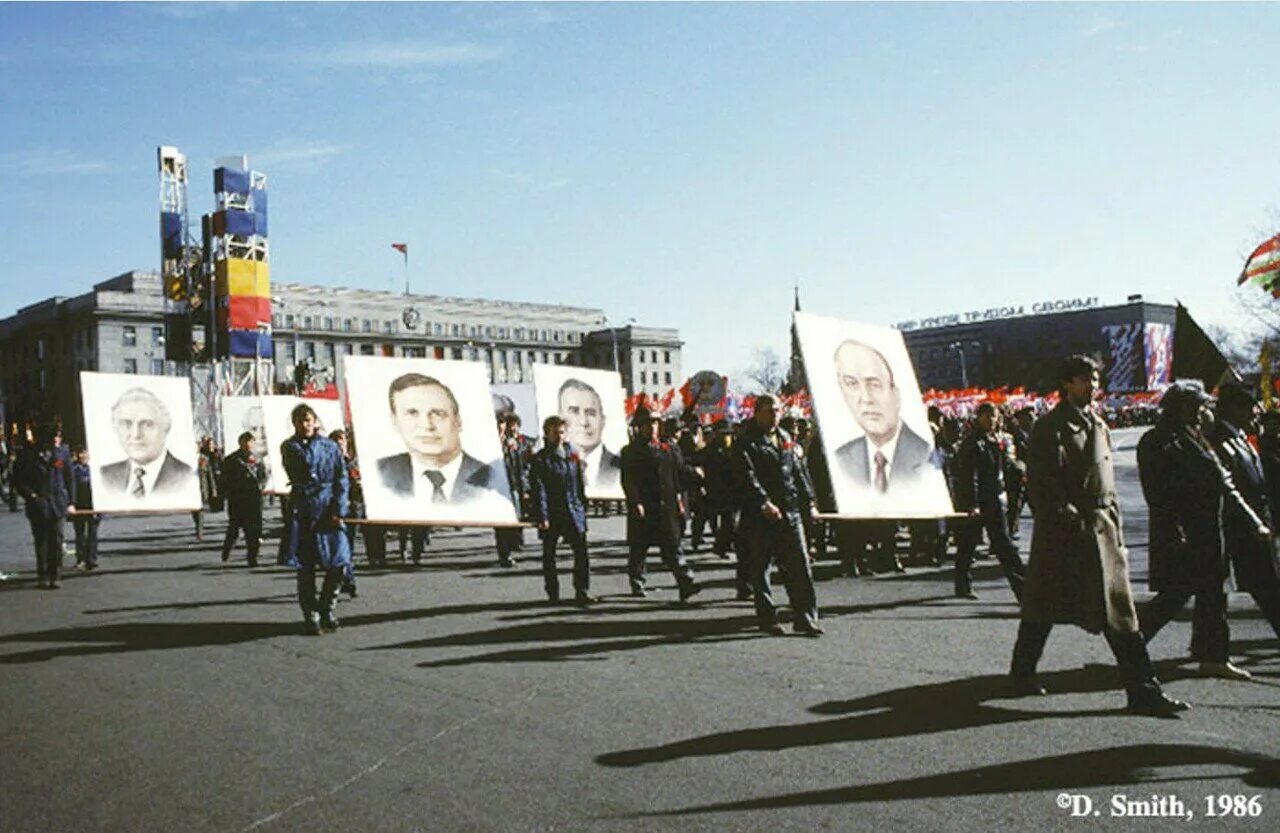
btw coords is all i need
(560, 500)
(43, 478)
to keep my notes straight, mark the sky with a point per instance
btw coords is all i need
(683, 165)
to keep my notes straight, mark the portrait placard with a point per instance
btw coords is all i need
(141, 441)
(277, 414)
(592, 404)
(517, 397)
(875, 429)
(246, 413)
(427, 440)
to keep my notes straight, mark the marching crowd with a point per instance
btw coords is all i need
(760, 489)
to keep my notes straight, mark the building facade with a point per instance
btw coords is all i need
(1140, 345)
(119, 327)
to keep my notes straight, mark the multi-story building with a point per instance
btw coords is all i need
(119, 327)
(1141, 345)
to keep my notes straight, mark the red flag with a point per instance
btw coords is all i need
(402, 248)
(686, 392)
(1263, 264)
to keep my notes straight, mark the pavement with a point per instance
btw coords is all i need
(169, 692)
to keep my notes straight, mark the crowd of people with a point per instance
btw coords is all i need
(760, 493)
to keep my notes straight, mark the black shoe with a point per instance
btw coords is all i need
(350, 589)
(1026, 686)
(808, 629)
(553, 598)
(897, 566)
(584, 599)
(689, 590)
(253, 563)
(1154, 703)
(506, 562)
(328, 621)
(312, 624)
(55, 584)
(773, 630)
(91, 567)
(744, 596)
(638, 591)
(966, 594)
(226, 556)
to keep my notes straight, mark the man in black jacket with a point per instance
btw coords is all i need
(243, 478)
(1254, 559)
(652, 482)
(43, 477)
(775, 495)
(980, 491)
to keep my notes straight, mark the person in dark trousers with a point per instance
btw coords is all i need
(1079, 570)
(86, 525)
(775, 495)
(243, 478)
(44, 480)
(652, 479)
(1187, 491)
(558, 484)
(319, 494)
(980, 491)
(1254, 558)
(208, 472)
(355, 503)
(517, 454)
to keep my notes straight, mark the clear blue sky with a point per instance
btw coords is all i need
(682, 164)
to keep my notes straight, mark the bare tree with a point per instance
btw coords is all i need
(767, 371)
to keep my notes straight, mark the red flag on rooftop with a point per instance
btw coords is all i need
(402, 248)
(1263, 265)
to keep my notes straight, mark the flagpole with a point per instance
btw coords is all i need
(406, 270)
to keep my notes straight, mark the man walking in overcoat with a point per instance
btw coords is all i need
(43, 477)
(1079, 570)
(557, 476)
(318, 491)
(980, 490)
(1253, 558)
(652, 481)
(243, 478)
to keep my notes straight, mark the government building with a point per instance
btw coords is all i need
(120, 327)
(1141, 345)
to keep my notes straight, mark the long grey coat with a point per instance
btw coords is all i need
(1079, 569)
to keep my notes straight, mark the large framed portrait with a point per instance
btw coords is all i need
(268, 418)
(277, 414)
(427, 440)
(593, 406)
(141, 441)
(875, 428)
(517, 398)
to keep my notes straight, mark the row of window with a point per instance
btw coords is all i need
(368, 325)
(129, 336)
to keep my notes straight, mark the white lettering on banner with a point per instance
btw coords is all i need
(997, 313)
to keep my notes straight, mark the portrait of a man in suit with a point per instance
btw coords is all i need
(141, 422)
(889, 457)
(434, 468)
(583, 414)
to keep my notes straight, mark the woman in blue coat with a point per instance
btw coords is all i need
(319, 493)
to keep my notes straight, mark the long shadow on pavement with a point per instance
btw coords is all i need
(903, 712)
(1092, 769)
(130, 637)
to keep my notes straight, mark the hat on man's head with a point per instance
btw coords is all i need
(642, 416)
(1185, 392)
(1237, 395)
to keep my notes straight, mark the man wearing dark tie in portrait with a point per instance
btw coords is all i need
(889, 455)
(434, 468)
(141, 421)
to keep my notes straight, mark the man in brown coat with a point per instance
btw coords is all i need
(1079, 569)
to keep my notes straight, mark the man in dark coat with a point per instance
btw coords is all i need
(43, 479)
(517, 454)
(85, 525)
(318, 495)
(889, 456)
(560, 503)
(1254, 559)
(434, 467)
(243, 479)
(142, 422)
(652, 481)
(980, 491)
(1079, 570)
(1187, 490)
(775, 494)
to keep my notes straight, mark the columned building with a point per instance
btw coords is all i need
(119, 327)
